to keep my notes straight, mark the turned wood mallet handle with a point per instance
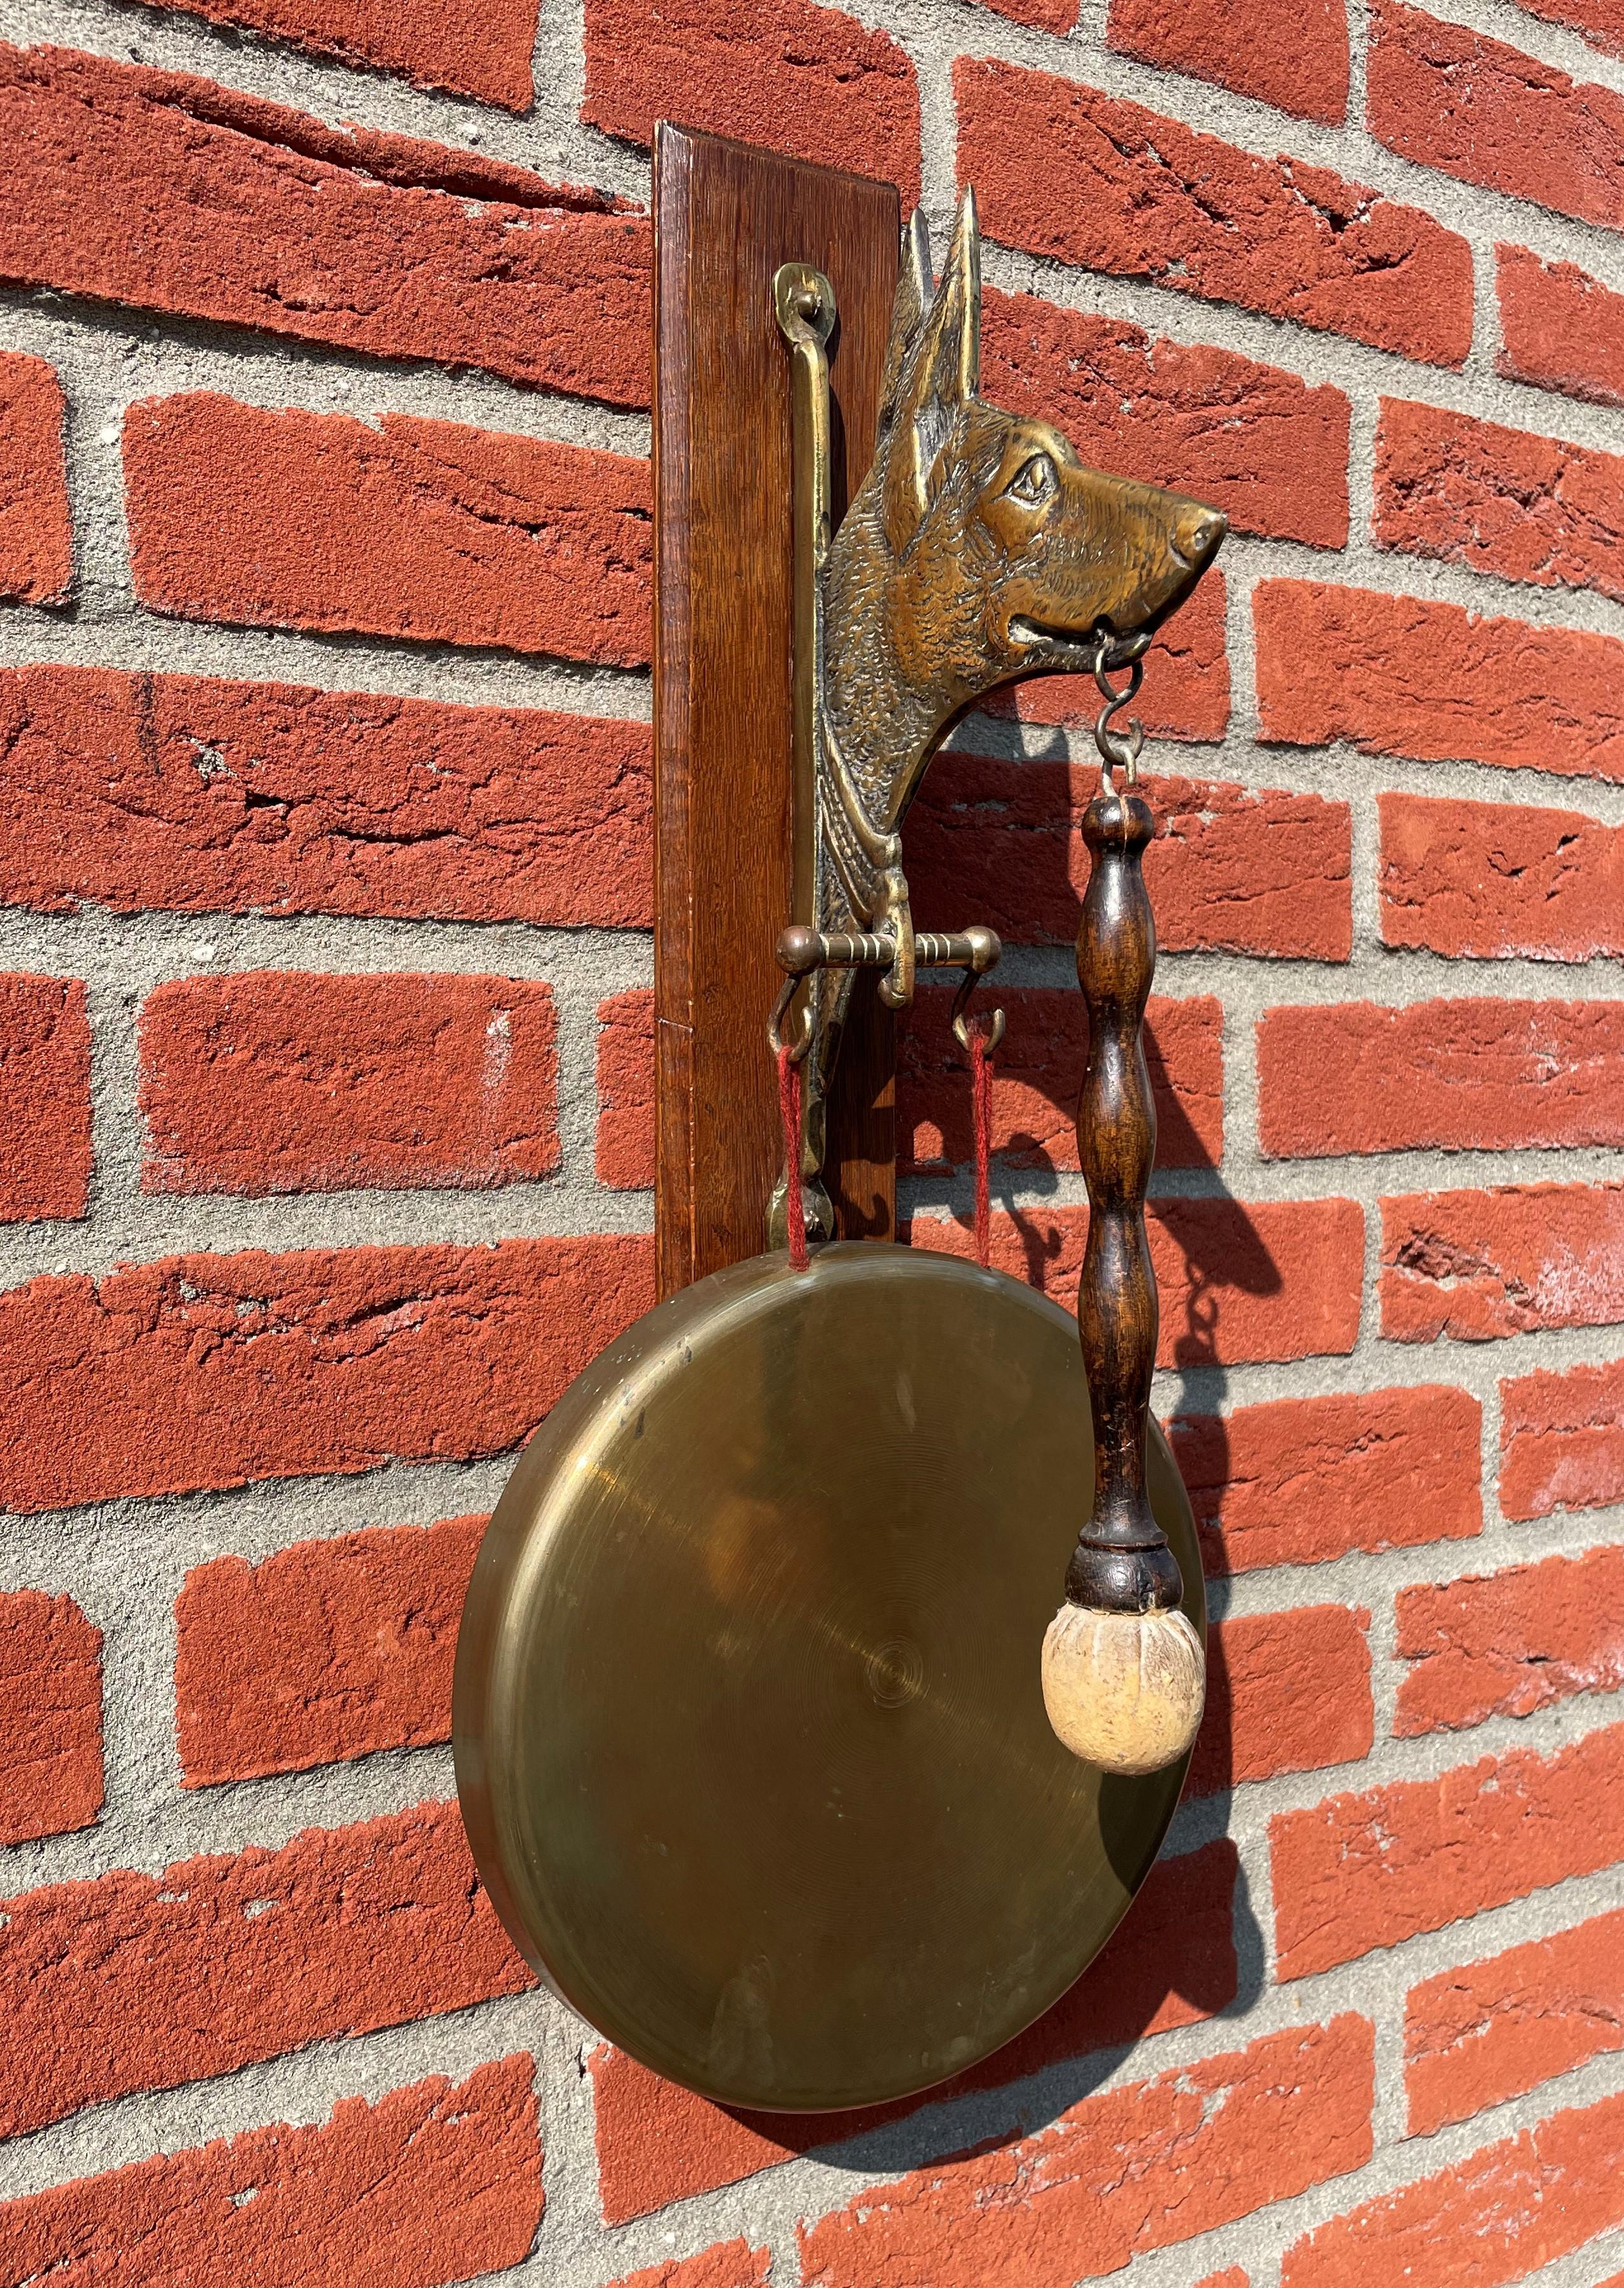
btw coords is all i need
(1123, 1670)
(1122, 1562)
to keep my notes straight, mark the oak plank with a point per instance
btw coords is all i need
(727, 215)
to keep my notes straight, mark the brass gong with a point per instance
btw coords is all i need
(749, 1732)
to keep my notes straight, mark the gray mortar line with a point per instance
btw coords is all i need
(766, 2207)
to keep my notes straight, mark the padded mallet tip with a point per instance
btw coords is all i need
(1124, 1690)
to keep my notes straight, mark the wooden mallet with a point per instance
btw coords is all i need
(1124, 1674)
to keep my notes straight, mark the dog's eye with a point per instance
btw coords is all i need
(1036, 481)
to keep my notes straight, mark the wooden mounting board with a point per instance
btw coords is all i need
(726, 216)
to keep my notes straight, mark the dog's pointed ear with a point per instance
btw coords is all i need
(912, 295)
(964, 275)
(939, 375)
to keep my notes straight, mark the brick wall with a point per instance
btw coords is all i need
(324, 1048)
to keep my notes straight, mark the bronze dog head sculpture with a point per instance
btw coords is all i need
(979, 550)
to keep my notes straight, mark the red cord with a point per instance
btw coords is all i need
(789, 1105)
(981, 1103)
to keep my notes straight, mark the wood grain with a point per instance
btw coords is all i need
(727, 215)
(1122, 1563)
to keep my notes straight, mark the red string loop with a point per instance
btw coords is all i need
(794, 1206)
(980, 1107)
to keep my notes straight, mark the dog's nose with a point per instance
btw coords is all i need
(1198, 533)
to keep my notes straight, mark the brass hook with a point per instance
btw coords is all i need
(781, 1010)
(962, 1021)
(1114, 749)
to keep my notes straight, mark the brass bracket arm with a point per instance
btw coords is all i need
(801, 951)
(807, 954)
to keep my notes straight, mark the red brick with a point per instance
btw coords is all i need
(1303, 1481)
(1493, 2029)
(1187, 677)
(210, 1370)
(1499, 879)
(44, 1097)
(1075, 176)
(1562, 1441)
(1133, 2169)
(1253, 439)
(1240, 1280)
(1499, 500)
(279, 1081)
(1233, 2278)
(430, 2184)
(181, 792)
(625, 1091)
(1294, 57)
(1505, 1644)
(1038, 1073)
(480, 50)
(1474, 1265)
(1229, 872)
(1449, 97)
(731, 2264)
(1432, 681)
(167, 193)
(806, 81)
(419, 528)
(146, 1982)
(1371, 1870)
(1043, 15)
(1460, 1076)
(1286, 1692)
(1171, 1964)
(1560, 329)
(50, 1747)
(1493, 2218)
(1602, 23)
(325, 1650)
(35, 524)
(1186, 692)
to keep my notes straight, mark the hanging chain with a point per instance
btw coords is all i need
(1117, 751)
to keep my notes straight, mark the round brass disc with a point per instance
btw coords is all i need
(749, 1733)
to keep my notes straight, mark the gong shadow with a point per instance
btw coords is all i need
(1189, 1947)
